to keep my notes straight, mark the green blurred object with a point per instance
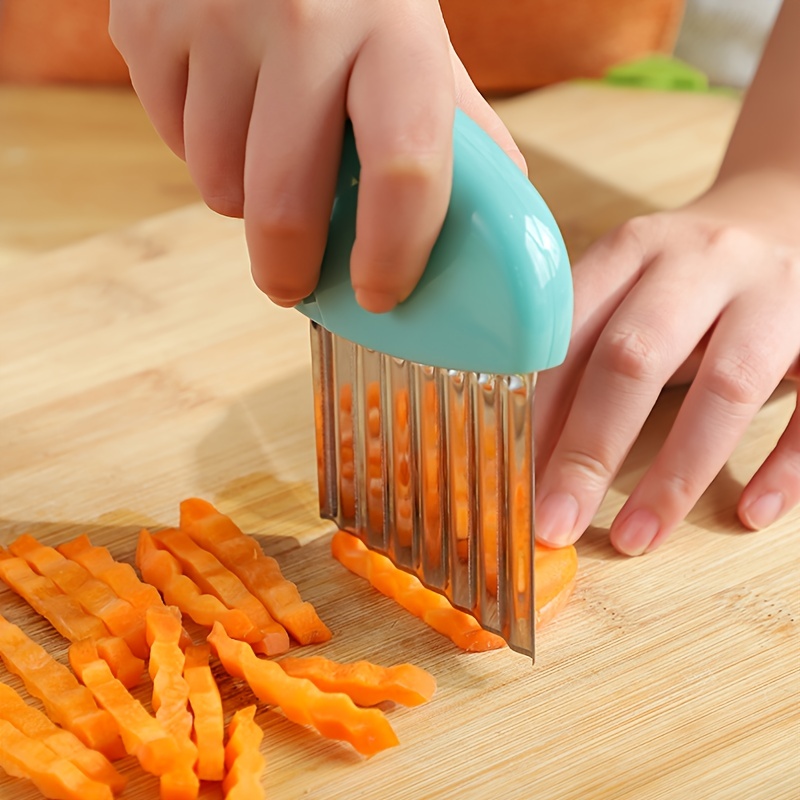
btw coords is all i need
(658, 72)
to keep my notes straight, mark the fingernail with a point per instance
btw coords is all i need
(556, 517)
(764, 511)
(374, 301)
(636, 533)
(285, 303)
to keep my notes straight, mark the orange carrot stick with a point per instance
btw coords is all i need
(65, 700)
(94, 596)
(214, 578)
(431, 607)
(64, 744)
(335, 716)
(206, 705)
(260, 573)
(171, 700)
(142, 734)
(65, 615)
(24, 757)
(366, 683)
(243, 757)
(161, 569)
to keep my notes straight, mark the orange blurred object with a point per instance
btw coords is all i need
(58, 41)
(515, 45)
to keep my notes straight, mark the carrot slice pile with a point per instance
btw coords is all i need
(260, 573)
(33, 723)
(25, 757)
(94, 596)
(171, 700)
(334, 716)
(243, 757)
(161, 569)
(64, 613)
(206, 705)
(214, 578)
(365, 683)
(65, 700)
(120, 577)
(432, 608)
(143, 735)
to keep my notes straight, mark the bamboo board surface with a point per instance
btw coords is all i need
(141, 367)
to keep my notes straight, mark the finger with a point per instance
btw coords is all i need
(293, 153)
(472, 103)
(775, 488)
(749, 352)
(159, 70)
(642, 345)
(401, 99)
(219, 101)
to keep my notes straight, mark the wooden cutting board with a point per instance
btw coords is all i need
(141, 367)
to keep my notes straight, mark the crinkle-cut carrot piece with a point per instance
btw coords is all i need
(171, 700)
(431, 607)
(333, 715)
(367, 684)
(62, 743)
(94, 596)
(65, 700)
(161, 569)
(260, 573)
(554, 573)
(208, 721)
(120, 576)
(214, 578)
(24, 757)
(243, 757)
(65, 615)
(143, 735)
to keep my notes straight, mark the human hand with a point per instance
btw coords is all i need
(716, 285)
(254, 96)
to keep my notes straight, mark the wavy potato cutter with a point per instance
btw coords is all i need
(424, 415)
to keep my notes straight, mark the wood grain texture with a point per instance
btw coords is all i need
(140, 367)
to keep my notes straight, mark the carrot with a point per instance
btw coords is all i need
(554, 571)
(25, 757)
(120, 577)
(334, 716)
(33, 723)
(94, 596)
(431, 607)
(171, 700)
(143, 735)
(65, 615)
(260, 573)
(366, 684)
(161, 569)
(214, 578)
(65, 700)
(206, 705)
(243, 757)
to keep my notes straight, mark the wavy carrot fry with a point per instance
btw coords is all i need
(65, 615)
(161, 569)
(367, 684)
(243, 757)
(334, 716)
(62, 743)
(171, 700)
(432, 608)
(94, 596)
(143, 735)
(206, 705)
(24, 757)
(66, 701)
(120, 576)
(214, 578)
(260, 573)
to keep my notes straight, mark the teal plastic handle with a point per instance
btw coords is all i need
(496, 295)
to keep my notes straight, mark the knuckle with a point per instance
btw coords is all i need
(593, 470)
(729, 240)
(633, 353)
(736, 378)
